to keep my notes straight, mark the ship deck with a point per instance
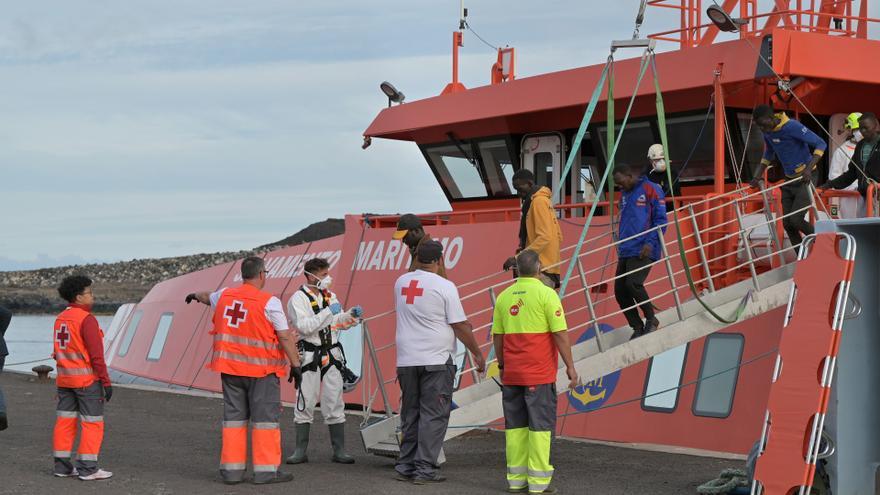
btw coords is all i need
(164, 443)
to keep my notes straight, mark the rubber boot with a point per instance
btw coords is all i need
(302, 444)
(337, 439)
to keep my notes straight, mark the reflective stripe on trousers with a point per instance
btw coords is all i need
(83, 406)
(255, 403)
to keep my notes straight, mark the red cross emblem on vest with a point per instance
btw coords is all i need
(412, 291)
(235, 314)
(62, 336)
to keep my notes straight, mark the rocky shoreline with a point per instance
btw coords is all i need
(34, 291)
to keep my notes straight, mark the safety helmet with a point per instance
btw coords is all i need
(852, 120)
(657, 157)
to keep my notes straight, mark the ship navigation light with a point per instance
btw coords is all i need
(722, 19)
(392, 93)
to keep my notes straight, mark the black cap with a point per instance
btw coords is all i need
(429, 252)
(406, 223)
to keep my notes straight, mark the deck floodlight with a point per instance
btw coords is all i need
(392, 93)
(722, 19)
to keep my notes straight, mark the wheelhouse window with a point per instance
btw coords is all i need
(160, 337)
(473, 169)
(691, 140)
(634, 143)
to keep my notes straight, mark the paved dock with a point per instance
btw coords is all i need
(160, 443)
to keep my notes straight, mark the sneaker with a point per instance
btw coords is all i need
(280, 477)
(651, 325)
(97, 476)
(403, 477)
(429, 480)
(66, 475)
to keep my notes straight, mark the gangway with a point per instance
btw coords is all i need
(736, 276)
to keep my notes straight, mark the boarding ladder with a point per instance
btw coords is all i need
(737, 257)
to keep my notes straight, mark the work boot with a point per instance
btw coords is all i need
(637, 332)
(651, 324)
(337, 440)
(302, 444)
(280, 477)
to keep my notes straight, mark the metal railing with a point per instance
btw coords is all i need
(714, 236)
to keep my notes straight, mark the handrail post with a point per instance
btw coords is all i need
(377, 369)
(670, 275)
(771, 226)
(703, 260)
(590, 307)
(745, 241)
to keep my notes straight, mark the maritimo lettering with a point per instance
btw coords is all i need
(393, 255)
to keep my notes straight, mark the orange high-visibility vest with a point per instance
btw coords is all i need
(245, 343)
(71, 357)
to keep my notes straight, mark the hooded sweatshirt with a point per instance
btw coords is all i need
(543, 234)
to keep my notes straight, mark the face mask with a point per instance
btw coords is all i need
(659, 165)
(324, 283)
(857, 135)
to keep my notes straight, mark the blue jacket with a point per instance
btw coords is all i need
(641, 208)
(790, 142)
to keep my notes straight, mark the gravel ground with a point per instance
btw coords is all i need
(161, 443)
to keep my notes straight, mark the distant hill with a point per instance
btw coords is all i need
(314, 232)
(33, 291)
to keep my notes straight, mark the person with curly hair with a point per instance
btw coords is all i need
(83, 382)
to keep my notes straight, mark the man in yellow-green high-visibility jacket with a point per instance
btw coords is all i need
(529, 329)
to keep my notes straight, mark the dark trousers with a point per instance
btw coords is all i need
(794, 197)
(630, 290)
(424, 416)
(2, 399)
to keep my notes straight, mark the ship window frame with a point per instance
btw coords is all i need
(164, 334)
(130, 331)
(665, 410)
(472, 147)
(700, 380)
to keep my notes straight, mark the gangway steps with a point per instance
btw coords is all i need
(480, 403)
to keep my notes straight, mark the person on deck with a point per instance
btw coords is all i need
(642, 211)
(538, 229)
(866, 158)
(5, 318)
(318, 317)
(799, 150)
(251, 341)
(840, 163)
(430, 318)
(412, 234)
(529, 332)
(82, 380)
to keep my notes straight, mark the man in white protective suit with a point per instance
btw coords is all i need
(318, 316)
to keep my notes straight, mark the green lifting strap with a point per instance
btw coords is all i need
(577, 250)
(585, 123)
(661, 123)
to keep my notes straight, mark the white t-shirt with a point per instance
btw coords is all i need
(274, 311)
(427, 304)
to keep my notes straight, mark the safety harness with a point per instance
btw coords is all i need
(321, 352)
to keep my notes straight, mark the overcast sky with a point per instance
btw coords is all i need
(161, 128)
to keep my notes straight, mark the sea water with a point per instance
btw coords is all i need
(29, 338)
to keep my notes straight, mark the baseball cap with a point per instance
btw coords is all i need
(406, 223)
(429, 251)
